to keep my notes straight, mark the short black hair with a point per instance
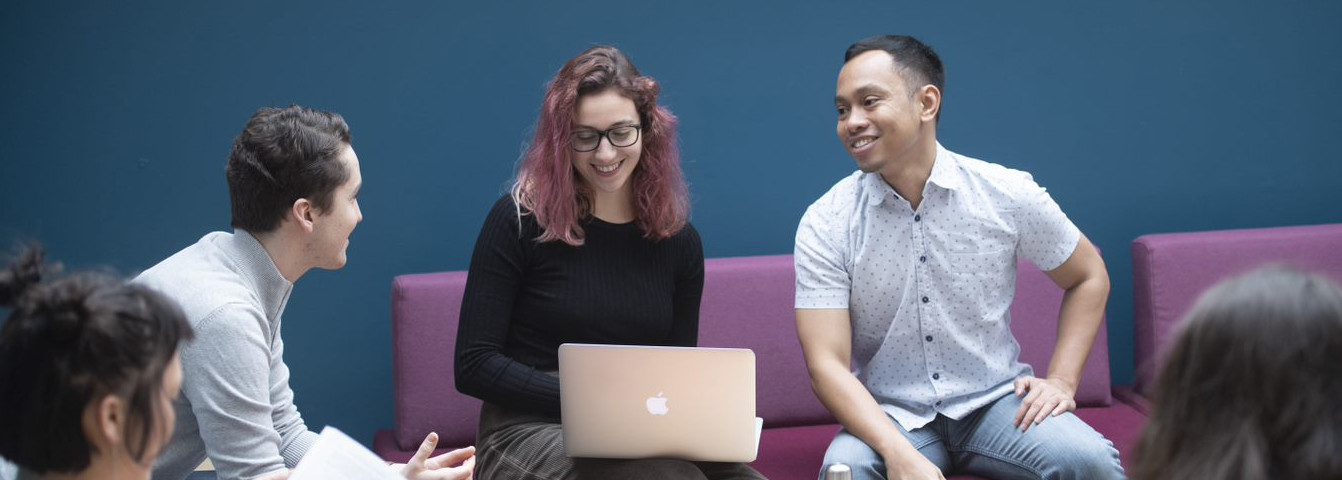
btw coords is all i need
(918, 64)
(70, 342)
(285, 154)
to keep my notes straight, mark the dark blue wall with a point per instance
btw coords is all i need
(1139, 116)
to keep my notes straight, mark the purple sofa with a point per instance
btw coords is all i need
(748, 302)
(1170, 271)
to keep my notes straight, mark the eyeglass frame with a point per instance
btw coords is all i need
(600, 134)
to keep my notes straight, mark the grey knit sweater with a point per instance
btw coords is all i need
(236, 404)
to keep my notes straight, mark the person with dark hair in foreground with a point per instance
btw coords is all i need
(88, 372)
(593, 245)
(906, 270)
(1251, 387)
(293, 180)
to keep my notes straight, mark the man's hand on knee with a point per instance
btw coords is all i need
(1044, 398)
(912, 467)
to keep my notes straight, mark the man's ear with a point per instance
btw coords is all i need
(303, 213)
(929, 98)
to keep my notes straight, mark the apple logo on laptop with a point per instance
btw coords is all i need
(657, 404)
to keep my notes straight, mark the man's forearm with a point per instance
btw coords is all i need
(860, 414)
(1079, 321)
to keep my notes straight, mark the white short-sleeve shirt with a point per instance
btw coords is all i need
(928, 292)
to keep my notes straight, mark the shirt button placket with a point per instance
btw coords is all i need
(933, 355)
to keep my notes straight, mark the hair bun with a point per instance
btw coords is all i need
(22, 275)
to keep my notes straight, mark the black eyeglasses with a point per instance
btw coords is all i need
(588, 140)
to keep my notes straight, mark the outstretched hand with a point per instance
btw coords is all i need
(1044, 397)
(279, 475)
(454, 465)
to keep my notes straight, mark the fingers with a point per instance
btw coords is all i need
(1036, 405)
(1045, 407)
(469, 466)
(1063, 407)
(451, 458)
(464, 472)
(1028, 403)
(1044, 400)
(280, 475)
(425, 449)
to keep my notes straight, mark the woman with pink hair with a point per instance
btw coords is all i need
(592, 245)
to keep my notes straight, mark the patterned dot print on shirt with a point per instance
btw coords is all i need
(946, 270)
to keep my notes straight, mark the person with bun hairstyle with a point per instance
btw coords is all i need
(88, 372)
(592, 245)
(1251, 387)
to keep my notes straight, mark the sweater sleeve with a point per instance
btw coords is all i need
(231, 385)
(295, 438)
(689, 291)
(482, 369)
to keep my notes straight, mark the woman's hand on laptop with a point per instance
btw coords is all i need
(454, 465)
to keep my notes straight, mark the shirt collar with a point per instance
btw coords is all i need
(945, 174)
(259, 269)
(945, 170)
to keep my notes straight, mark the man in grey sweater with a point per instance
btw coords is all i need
(293, 180)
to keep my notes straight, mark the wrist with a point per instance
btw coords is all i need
(1067, 384)
(898, 453)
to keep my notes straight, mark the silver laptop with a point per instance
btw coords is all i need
(624, 401)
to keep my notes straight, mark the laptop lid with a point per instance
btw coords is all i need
(627, 401)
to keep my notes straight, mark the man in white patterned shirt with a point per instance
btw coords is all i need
(905, 273)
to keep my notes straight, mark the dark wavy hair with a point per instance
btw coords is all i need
(282, 155)
(1252, 387)
(548, 186)
(70, 342)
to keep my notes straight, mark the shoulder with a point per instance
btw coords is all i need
(1006, 187)
(506, 214)
(233, 335)
(505, 207)
(687, 242)
(201, 278)
(687, 235)
(839, 202)
(233, 319)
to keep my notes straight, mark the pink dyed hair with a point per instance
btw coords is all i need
(548, 186)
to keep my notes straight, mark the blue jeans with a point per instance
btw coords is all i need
(985, 444)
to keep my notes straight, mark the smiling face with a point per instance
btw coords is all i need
(606, 171)
(332, 228)
(882, 122)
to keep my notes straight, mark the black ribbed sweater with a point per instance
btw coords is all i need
(523, 299)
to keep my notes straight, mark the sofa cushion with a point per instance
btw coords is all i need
(748, 303)
(794, 452)
(424, 310)
(1170, 271)
(1034, 321)
(1120, 424)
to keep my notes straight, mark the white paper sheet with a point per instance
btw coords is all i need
(336, 456)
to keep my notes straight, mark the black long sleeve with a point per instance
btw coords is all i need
(523, 299)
